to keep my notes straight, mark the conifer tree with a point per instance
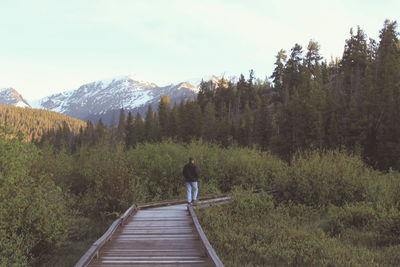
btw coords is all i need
(100, 130)
(209, 122)
(121, 125)
(277, 76)
(130, 134)
(149, 127)
(388, 87)
(163, 114)
(263, 125)
(139, 128)
(173, 126)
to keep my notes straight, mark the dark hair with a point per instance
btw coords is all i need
(191, 159)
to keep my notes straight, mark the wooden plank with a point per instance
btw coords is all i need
(163, 265)
(157, 231)
(150, 244)
(156, 235)
(154, 252)
(158, 223)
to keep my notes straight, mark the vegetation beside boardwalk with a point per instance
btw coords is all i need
(52, 201)
(330, 210)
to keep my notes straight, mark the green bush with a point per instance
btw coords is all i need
(109, 179)
(358, 215)
(321, 178)
(33, 216)
(255, 231)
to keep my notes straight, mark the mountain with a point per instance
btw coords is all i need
(103, 99)
(9, 96)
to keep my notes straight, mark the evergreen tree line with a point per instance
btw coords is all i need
(351, 104)
(31, 124)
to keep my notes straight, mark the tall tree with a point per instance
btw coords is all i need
(139, 128)
(163, 114)
(130, 133)
(388, 86)
(263, 125)
(353, 63)
(277, 77)
(209, 122)
(121, 125)
(149, 125)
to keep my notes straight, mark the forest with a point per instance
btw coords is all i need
(31, 124)
(324, 135)
(351, 104)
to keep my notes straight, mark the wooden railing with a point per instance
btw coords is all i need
(206, 244)
(94, 249)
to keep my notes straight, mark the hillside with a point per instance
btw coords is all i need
(32, 123)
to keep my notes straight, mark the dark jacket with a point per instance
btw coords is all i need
(190, 172)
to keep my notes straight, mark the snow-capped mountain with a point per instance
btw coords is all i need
(9, 96)
(214, 79)
(103, 99)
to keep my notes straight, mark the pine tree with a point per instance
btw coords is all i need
(163, 114)
(209, 122)
(388, 87)
(139, 128)
(121, 125)
(293, 75)
(149, 125)
(224, 135)
(353, 64)
(130, 133)
(100, 131)
(263, 125)
(277, 77)
(173, 125)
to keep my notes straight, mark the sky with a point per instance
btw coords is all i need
(49, 46)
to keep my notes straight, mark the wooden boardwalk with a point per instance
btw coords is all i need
(154, 236)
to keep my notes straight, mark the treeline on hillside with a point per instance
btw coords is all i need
(351, 104)
(33, 123)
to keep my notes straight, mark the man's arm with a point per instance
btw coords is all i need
(196, 172)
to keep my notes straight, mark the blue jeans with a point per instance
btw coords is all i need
(189, 186)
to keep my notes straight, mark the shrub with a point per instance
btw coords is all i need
(33, 216)
(252, 231)
(358, 215)
(321, 178)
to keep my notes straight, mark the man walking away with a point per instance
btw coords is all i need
(191, 175)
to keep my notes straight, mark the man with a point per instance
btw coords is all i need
(191, 175)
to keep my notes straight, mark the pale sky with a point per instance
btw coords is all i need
(50, 46)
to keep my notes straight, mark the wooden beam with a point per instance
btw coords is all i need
(99, 243)
(207, 246)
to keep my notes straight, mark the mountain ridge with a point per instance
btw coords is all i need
(104, 98)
